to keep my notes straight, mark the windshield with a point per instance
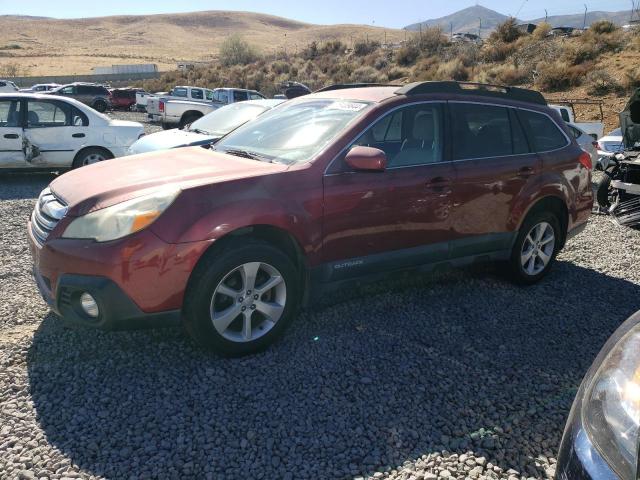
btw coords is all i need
(293, 132)
(615, 133)
(225, 119)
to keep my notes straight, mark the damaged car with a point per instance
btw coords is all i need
(618, 192)
(45, 132)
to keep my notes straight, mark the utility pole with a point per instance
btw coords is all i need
(584, 23)
(546, 16)
(451, 29)
(480, 28)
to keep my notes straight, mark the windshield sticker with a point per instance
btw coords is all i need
(347, 106)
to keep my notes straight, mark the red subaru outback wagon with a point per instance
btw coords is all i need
(337, 185)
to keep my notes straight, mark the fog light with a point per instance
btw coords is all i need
(89, 305)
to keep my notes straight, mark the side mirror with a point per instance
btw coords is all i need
(366, 159)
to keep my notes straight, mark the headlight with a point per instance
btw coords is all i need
(122, 219)
(611, 406)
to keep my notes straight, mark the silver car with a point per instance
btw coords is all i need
(586, 142)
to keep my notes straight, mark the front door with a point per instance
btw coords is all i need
(11, 152)
(54, 132)
(379, 221)
(494, 165)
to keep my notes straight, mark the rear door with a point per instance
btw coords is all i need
(240, 95)
(55, 131)
(11, 153)
(494, 164)
(377, 221)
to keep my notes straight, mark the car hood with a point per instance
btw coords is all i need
(169, 139)
(106, 183)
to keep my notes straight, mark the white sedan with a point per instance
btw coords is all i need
(49, 132)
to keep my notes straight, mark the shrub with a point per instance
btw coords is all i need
(497, 51)
(236, 51)
(601, 82)
(407, 55)
(368, 75)
(310, 51)
(506, 32)
(396, 72)
(509, 75)
(335, 47)
(602, 27)
(452, 70)
(541, 31)
(558, 76)
(280, 67)
(363, 48)
(431, 41)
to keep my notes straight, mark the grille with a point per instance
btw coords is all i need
(46, 215)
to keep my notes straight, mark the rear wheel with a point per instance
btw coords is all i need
(242, 299)
(90, 156)
(604, 192)
(188, 119)
(100, 106)
(536, 248)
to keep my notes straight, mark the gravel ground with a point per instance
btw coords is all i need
(460, 375)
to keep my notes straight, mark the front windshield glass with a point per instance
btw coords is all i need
(294, 132)
(616, 133)
(221, 121)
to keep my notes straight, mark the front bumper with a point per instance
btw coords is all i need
(136, 280)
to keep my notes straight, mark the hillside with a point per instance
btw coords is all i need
(466, 20)
(54, 47)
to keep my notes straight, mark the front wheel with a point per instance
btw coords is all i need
(604, 192)
(100, 106)
(241, 299)
(536, 248)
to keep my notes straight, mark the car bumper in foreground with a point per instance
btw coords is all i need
(137, 281)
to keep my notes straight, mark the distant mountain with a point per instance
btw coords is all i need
(577, 20)
(468, 20)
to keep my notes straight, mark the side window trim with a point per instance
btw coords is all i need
(349, 145)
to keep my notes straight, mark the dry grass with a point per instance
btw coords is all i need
(57, 47)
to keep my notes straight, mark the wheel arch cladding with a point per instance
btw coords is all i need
(554, 205)
(269, 234)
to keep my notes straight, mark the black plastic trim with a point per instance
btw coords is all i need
(477, 89)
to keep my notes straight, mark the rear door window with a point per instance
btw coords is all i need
(197, 94)
(240, 96)
(43, 114)
(543, 132)
(480, 131)
(180, 92)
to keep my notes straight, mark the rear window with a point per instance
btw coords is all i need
(543, 132)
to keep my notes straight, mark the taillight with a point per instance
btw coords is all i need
(595, 144)
(600, 146)
(161, 105)
(585, 160)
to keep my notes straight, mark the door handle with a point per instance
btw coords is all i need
(11, 135)
(439, 184)
(526, 172)
(78, 135)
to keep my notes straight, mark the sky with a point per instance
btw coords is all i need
(396, 14)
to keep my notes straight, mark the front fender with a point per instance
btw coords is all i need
(211, 212)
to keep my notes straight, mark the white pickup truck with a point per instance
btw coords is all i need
(595, 129)
(193, 94)
(178, 113)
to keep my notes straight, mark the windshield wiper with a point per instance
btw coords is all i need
(197, 130)
(246, 154)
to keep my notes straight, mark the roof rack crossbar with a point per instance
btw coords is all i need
(470, 88)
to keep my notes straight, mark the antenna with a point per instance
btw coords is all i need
(520, 9)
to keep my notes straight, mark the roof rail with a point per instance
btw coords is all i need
(469, 88)
(344, 86)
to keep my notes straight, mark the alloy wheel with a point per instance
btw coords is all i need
(248, 302)
(93, 158)
(537, 248)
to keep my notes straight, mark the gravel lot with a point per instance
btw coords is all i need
(450, 376)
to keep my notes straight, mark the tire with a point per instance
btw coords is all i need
(542, 248)
(218, 288)
(100, 106)
(188, 119)
(602, 191)
(167, 126)
(91, 155)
